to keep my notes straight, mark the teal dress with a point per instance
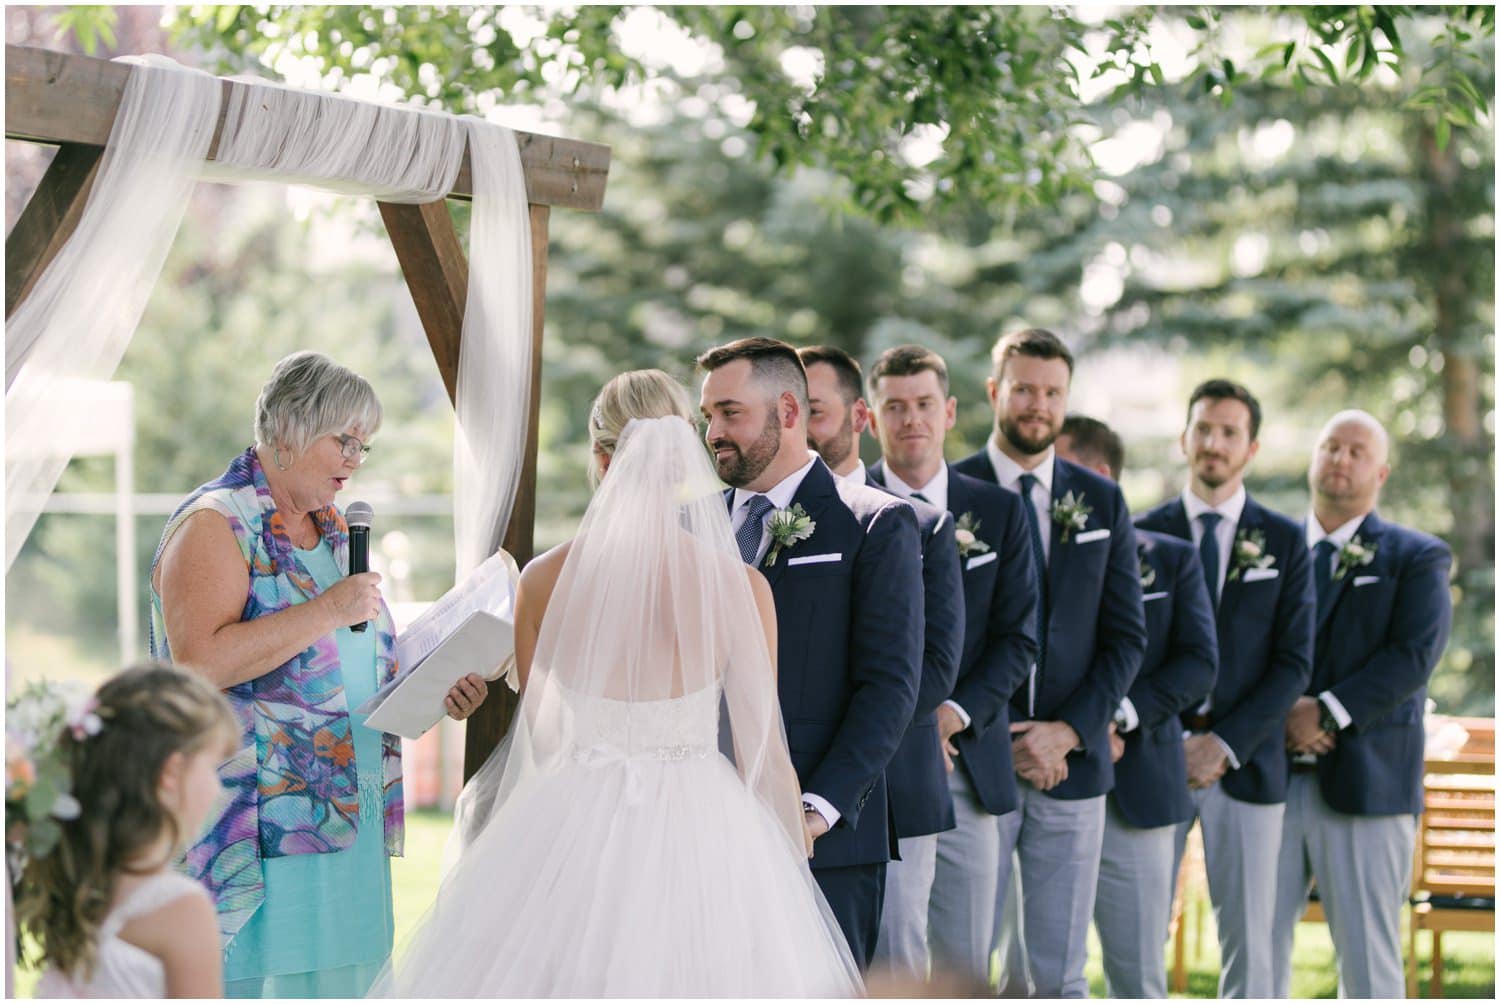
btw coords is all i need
(326, 926)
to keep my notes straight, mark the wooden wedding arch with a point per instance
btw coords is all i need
(69, 101)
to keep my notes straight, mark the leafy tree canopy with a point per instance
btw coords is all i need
(918, 109)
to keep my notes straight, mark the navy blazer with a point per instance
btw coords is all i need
(1265, 630)
(1182, 658)
(1096, 626)
(849, 654)
(1382, 631)
(915, 777)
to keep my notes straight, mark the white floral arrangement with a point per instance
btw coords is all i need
(1071, 513)
(966, 532)
(38, 778)
(788, 527)
(1249, 552)
(1355, 554)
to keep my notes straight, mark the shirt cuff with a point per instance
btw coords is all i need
(1128, 712)
(963, 715)
(825, 809)
(1234, 762)
(1337, 709)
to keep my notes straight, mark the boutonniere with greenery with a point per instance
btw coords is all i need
(788, 526)
(1355, 554)
(966, 531)
(1071, 513)
(1148, 571)
(1249, 552)
(38, 779)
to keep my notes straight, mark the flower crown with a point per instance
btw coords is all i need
(38, 778)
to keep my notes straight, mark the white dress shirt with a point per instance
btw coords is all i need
(856, 476)
(1008, 473)
(1338, 538)
(1231, 509)
(780, 497)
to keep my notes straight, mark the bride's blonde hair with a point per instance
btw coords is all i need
(633, 394)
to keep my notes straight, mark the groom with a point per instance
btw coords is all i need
(848, 591)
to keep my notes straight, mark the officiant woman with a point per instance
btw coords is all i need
(250, 587)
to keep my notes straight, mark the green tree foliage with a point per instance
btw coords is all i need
(863, 91)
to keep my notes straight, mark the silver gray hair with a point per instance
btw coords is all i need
(310, 396)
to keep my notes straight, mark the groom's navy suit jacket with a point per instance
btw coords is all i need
(1265, 630)
(1382, 630)
(999, 635)
(1096, 627)
(1182, 658)
(849, 654)
(916, 779)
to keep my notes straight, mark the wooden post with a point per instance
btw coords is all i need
(437, 273)
(487, 726)
(49, 219)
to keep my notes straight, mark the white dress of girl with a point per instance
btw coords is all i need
(120, 968)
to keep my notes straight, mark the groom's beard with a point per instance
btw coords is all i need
(1032, 445)
(836, 448)
(747, 464)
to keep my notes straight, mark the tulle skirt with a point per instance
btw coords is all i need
(639, 878)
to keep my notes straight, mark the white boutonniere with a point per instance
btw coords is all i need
(788, 526)
(1071, 513)
(1148, 571)
(966, 531)
(1355, 554)
(1249, 552)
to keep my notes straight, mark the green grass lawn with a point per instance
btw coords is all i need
(1469, 958)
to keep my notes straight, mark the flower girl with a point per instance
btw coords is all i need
(108, 914)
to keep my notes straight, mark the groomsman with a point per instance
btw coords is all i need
(1133, 908)
(915, 778)
(1089, 650)
(1356, 735)
(912, 414)
(844, 564)
(1259, 580)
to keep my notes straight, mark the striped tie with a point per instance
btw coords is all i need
(748, 536)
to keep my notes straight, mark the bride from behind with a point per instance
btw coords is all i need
(639, 833)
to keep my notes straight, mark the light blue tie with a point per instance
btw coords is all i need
(748, 536)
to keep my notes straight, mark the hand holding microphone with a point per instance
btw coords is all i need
(363, 603)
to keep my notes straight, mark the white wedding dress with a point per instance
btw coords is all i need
(609, 847)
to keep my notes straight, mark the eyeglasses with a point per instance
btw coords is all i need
(352, 448)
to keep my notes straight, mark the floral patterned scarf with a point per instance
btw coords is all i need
(292, 786)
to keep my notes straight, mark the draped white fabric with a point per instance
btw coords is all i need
(83, 310)
(78, 320)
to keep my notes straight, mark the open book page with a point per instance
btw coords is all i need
(470, 629)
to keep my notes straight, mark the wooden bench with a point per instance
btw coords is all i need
(1453, 877)
(1453, 871)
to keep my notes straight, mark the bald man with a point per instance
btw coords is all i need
(1355, 738)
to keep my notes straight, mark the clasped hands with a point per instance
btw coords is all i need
(1040, 751)
(1304, 734)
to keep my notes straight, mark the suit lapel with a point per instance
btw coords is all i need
(1061, 485)
(1177, 520)
(875, 475)
(816, 492)
(1250, 519)
(1369, 531)
(958, 496)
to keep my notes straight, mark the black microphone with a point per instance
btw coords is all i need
(359, 516)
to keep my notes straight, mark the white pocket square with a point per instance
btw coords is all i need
(1259, 574)
(813, 559)
(1365, 580)
(1084, 538)
(980, 559)
(1154, 596)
